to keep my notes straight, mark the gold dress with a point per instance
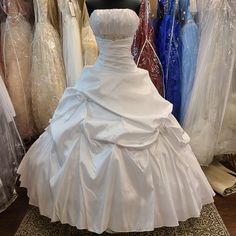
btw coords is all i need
(90, 50)
(48, 73)
(16, 34)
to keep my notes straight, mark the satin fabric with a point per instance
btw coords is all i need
(113, 156)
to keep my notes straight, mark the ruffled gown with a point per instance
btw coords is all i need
(113, 156)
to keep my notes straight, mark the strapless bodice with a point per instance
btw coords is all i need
(114, 23)
(114, 30)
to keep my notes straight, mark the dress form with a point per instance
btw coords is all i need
(107, 4)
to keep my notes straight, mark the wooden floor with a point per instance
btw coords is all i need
(12, 217)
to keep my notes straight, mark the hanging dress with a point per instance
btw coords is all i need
(143, 48)
(168, 46)
(210, 119)
(11, 148)
(48, 74)
(189, 39)
(90, 50)
(16, 43)
(72, 46)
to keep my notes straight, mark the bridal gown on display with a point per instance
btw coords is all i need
(72, 47)
(211, 115)
(48, 74)
(113, 156)
(16, 42)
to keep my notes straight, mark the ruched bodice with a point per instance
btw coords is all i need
(114, 30)
(114, 23)
(115, 54)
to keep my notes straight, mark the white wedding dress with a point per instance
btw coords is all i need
(211, 115)
(113, 156)
(72, 45)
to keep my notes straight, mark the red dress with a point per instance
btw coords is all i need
(143, 48)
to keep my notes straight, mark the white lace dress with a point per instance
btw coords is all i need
(113, 156)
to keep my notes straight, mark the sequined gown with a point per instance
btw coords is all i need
(11, 148)
(48, 73)
(72, 45)
(16, 44)
(113, 156)
(143, 48)
(168, 46)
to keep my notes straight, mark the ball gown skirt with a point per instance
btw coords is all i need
(113, 156)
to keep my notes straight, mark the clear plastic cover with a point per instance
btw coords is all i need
(210, 117)
(11, 149)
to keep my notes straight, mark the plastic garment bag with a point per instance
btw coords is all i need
(48, 73)
(210, 117)
(189, 38)
(11, 149)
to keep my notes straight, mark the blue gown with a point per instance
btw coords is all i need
(189, 39)
(168, 46)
